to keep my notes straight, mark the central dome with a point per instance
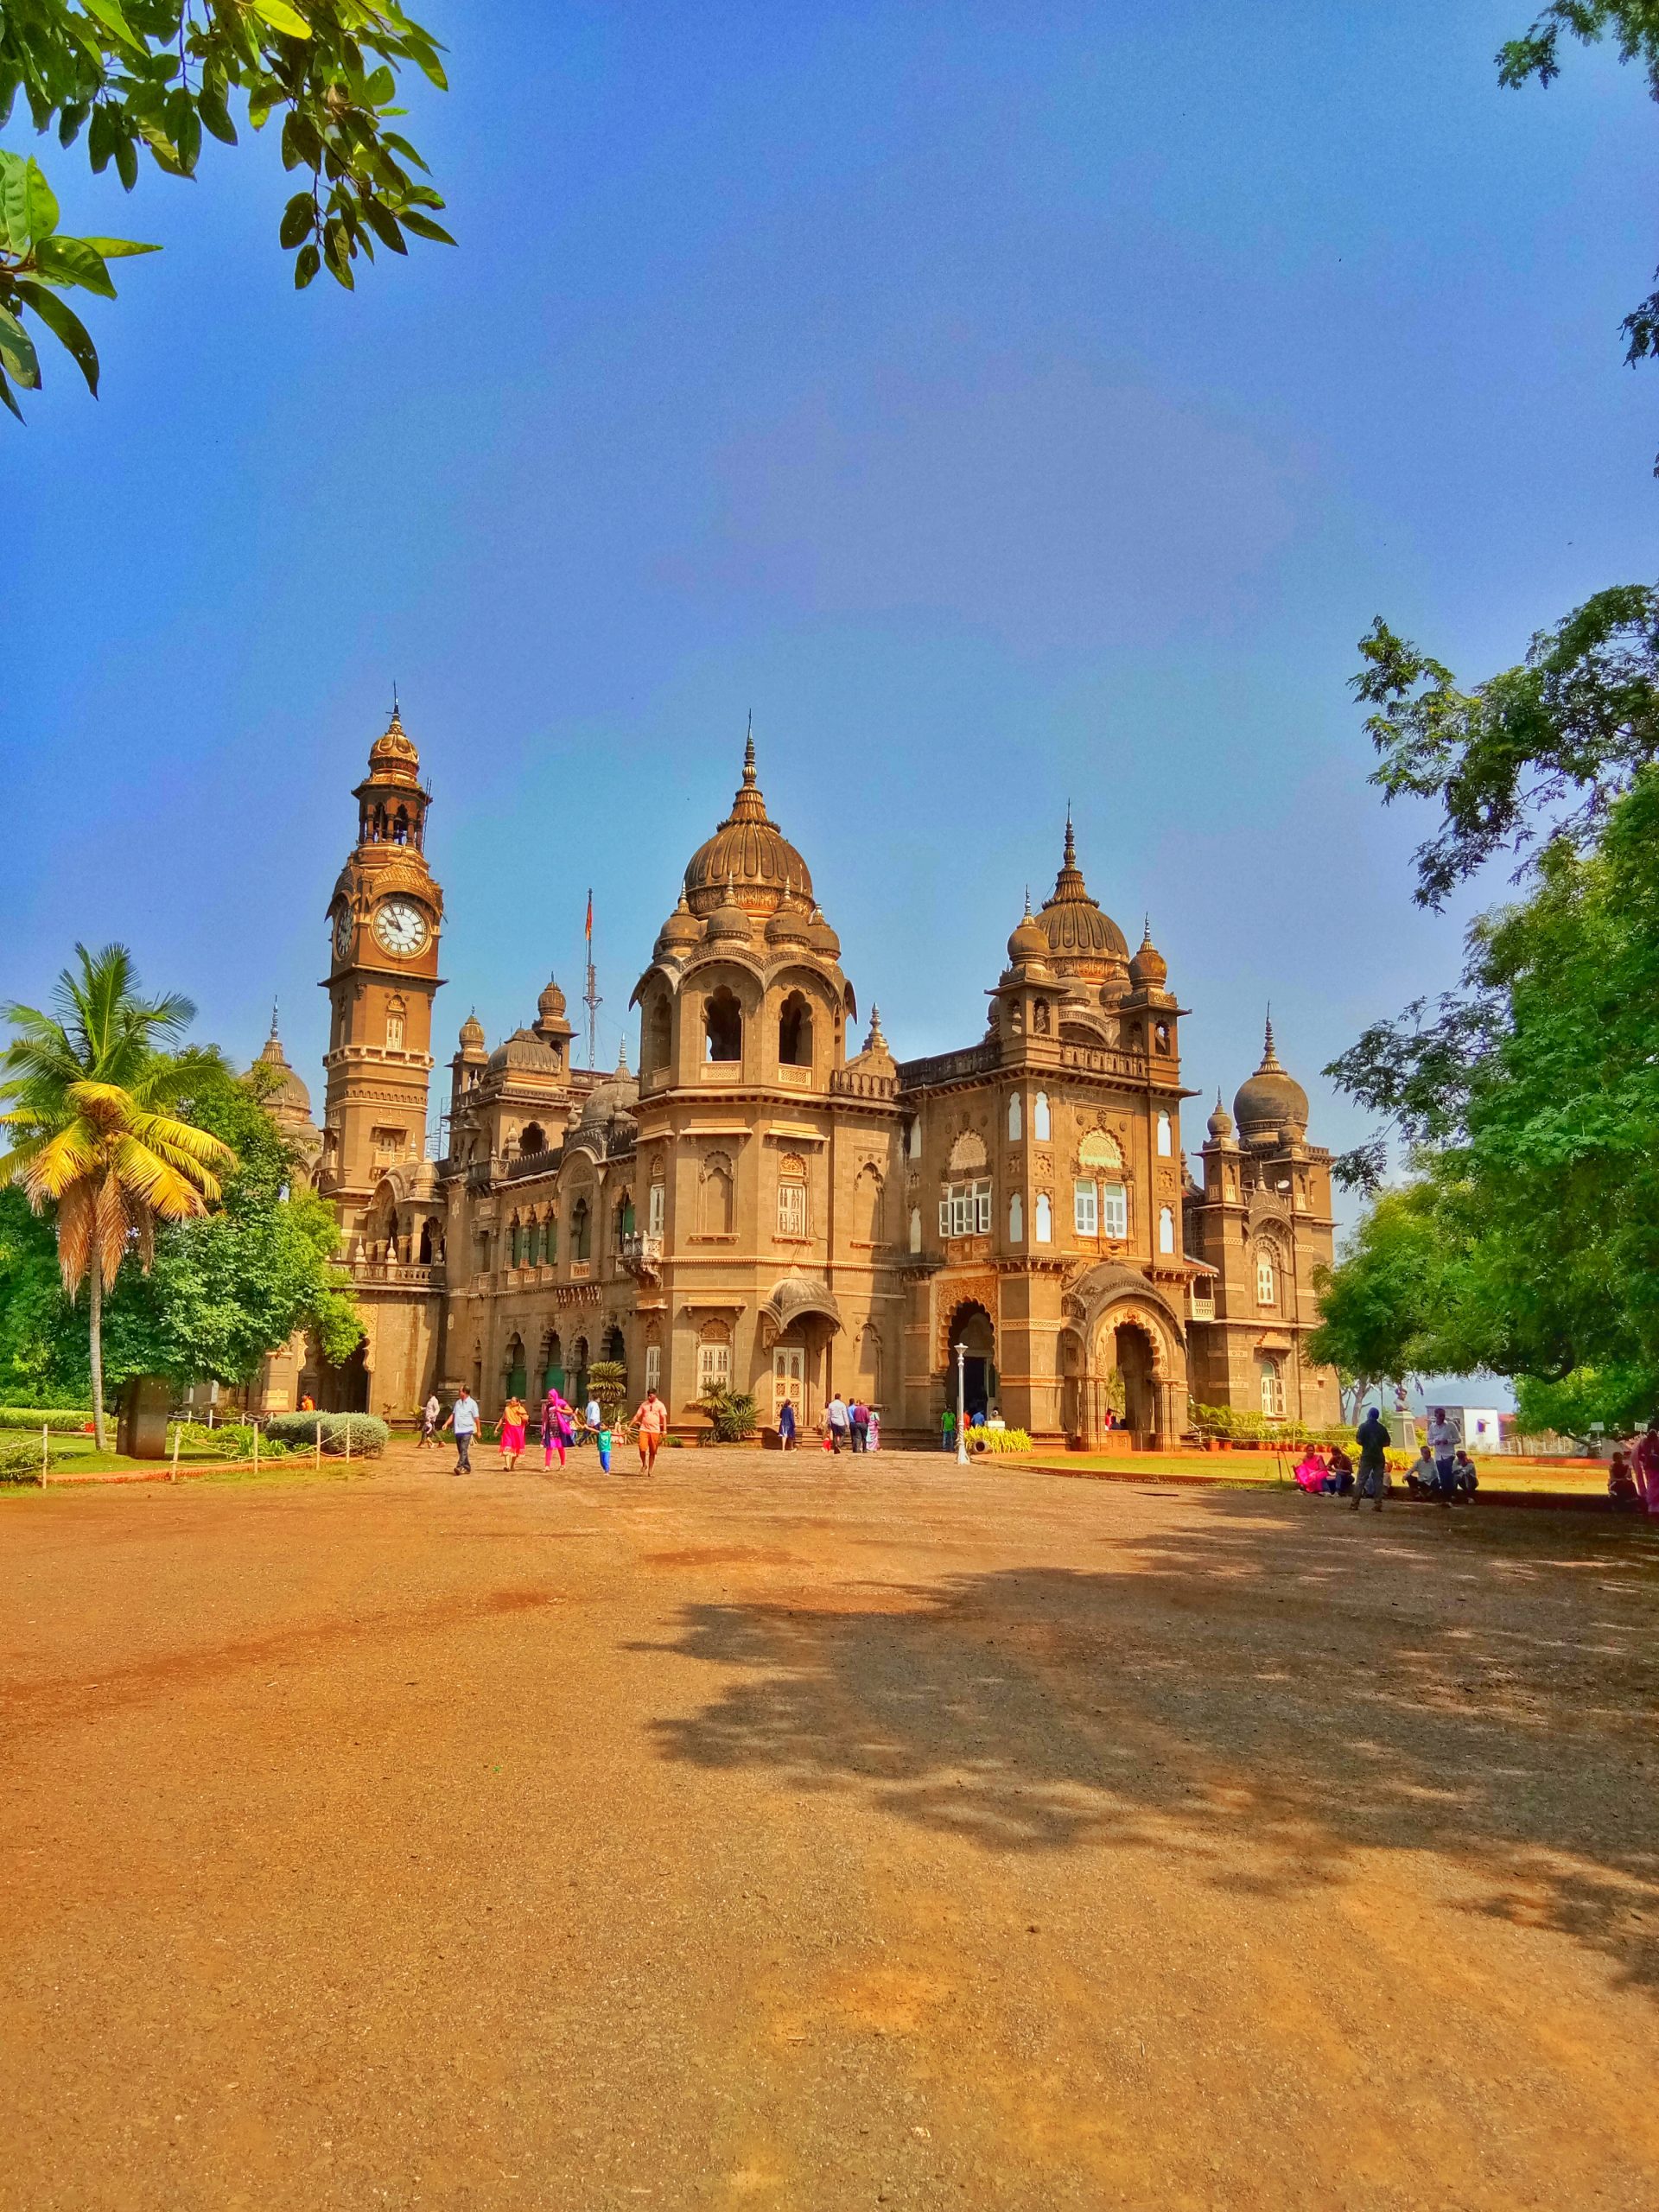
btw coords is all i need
(1072, 922)
(748, 859)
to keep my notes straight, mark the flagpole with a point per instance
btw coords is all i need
(591, 997)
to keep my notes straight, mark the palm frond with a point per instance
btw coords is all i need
(75, 1212)
(112, 1222)
(60, 1162)
(146, 1177)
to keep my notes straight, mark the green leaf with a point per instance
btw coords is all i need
(282, 17)
(18, 352)
(380, 87)
(14, 202)
(66, 327)
(6, 394)
(384, 228)
(210, 104)
(297, 218)
(424, 227)
(336, 252)
(306, 266)
(119, 249)
(106, 12)
(126, 159)
(41, 204)
(73, 261)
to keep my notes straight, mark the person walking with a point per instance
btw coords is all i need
(429, 1413)
(858, 1417)
(649, 1425)
(462, 1417)
(873, 1441)
(836, 1414)
(786, 1425)
(1442, 1440)
(1644, 1462)
(555, 1432)
(515, 1417)
(947, 1429)
(1373, 1439)
(592, 1417)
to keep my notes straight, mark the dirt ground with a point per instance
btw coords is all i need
(792, 1834)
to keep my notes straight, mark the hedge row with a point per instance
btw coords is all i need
(66, 1418)
(367, 1434)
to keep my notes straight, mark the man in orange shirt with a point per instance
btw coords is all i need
(649, 1423)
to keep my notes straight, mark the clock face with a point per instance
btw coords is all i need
(400, 926)
(343, 932)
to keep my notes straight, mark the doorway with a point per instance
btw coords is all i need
(789, 1380)
(1134, 1360)
(971, 1327)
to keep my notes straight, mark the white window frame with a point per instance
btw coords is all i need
(653, 1367)
(656, 1207)
(965, 1210)
(714, 1367)
(1266, 1280)
(1114, 1210)
(791, 1209)
(1272, 1387)
(1085, 1206)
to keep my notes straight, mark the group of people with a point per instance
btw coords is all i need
(1442, 1471)
(846, 1420)
(561, 1427)
(978, 1418)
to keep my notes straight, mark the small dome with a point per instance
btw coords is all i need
(472, 1034)
(1220, 1123)
(1272, 1098)
(1149, 970)
(821, 936)
(728, 920)
(617, 1095)
(393, 756)
(1029, 941)
(289, 1097)
(789, 926)
(524, 1052)
(682, 929)
(551, 1005)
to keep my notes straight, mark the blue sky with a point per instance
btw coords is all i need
(1008, 404)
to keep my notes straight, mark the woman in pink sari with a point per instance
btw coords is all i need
(556, 1428)
(1310, 1476)
(1645, 1460)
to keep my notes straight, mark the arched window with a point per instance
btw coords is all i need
(868, 1379)
(625, 1221)
(866, 1207)
(715, 1195)
(1271, 1368)
(1166, 1136)
(396, 1010)
(1015, 1122)
(553, 1363)
(531, 1138)
(915, 1229)
(1166, 1229)
(615, 1348)
(1016, 1219)
(550, 1238)
(1045, 1221)
(722, 1026)
(655, 1034)
(515, 1242)
(1039, 1117)
(515, 1377)
(400, 827)
(1267, 1282)
(429, 1247)
(581, 1230)
(795, 1032)
(533, 1244)
(915, 1138)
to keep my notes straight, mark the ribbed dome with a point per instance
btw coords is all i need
(1072, 922)
(1272, 1098)
(749, 853)
(821, 936)
(1220, 1123)
(524, 1052)
(290, 1096)
(551, 1005)
(392, 758)
(1149, 970)
(681, 929)
(620, 1093)
(472, 1034)
(728, 920)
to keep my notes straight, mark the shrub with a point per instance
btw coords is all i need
(995, 1440)
(234, 1438)
(732, 1412)
(298, 1432)
(20, 1463)
(608, 1381)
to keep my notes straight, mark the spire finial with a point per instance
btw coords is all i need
(1028, 916)
(749, 752)
(1270, 1058)
(1070, 841)
(273, 1021)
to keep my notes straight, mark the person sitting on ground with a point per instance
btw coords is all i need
(1465, 1481)
(1373, 1439)
(1339, 1482)
(1422, 1476)
(1621, 1485)
(1310, 1473)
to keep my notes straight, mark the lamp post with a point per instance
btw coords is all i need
(960, 1352)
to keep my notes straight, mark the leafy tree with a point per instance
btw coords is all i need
(1634, 24)
(88, 1094)
(1378, 1304)
(42, 1345)
(131, 77)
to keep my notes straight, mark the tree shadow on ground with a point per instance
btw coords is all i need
(1263, 1690)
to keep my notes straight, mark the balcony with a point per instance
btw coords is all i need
(642, 1256)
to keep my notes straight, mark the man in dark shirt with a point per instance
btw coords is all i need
(1373, 1439)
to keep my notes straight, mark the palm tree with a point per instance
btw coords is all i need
(86, 1092)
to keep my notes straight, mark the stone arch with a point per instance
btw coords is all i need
(968, 1155)
(655, 1032)
(716, 1196)
(722, 1025)
(532, 1138)
(870, 1195)
(795, 1032)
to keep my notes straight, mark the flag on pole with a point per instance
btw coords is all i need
(590, 932)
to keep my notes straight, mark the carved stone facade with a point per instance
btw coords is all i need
(769, 1207)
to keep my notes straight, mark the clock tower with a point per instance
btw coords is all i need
(384, 921)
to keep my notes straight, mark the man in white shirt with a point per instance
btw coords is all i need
(462, 1417)
(1442, 1441)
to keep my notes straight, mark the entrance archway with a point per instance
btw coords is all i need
(1136, 1362)
(971, 1326)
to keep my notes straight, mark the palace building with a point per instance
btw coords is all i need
(772, 1205)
